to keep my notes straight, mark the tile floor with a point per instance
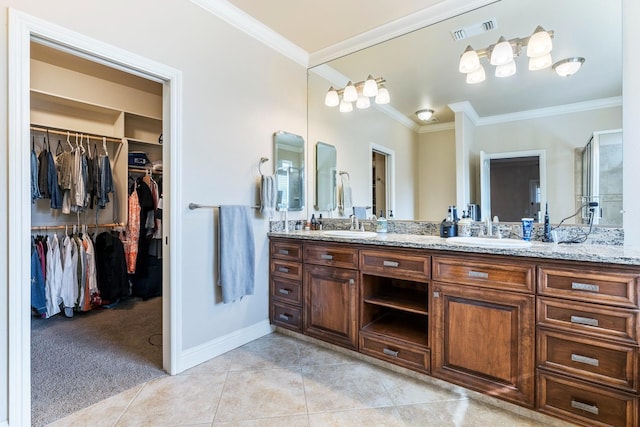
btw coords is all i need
(281, 380)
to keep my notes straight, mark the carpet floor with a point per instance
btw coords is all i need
(76, 362)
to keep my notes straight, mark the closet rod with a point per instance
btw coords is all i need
(62, 227)
(63, 132)
(193, 206)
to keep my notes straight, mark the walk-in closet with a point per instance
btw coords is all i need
(96, 231)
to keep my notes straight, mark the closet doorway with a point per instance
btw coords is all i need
(382, 180)
(24, 30)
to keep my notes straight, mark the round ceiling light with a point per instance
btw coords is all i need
(424, 115)
(568, 67)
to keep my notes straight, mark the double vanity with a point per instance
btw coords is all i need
(552, 328)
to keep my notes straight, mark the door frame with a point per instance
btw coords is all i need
(390, 173)
(22, 29)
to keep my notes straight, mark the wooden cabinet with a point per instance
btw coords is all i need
(330, 293)
(587, 344)
(285, 284)
(394, 310)
(484, 340)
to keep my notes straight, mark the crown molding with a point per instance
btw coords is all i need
(595, 104)
(420, 19)
(437, 127)
(256, 29)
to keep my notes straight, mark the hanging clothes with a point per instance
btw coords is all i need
(105, 185)
(35, 191)
(52, 174)
(43, 172)
(131, 237)
(38, 295)
(111, 268)
(69, 276)
(53, 281)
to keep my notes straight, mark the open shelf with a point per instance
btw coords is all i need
(408, 327)
(407, 300)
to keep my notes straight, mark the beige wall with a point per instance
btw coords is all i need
(436, 174)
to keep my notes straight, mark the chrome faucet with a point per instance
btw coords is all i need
(354, 223)
(489, 227)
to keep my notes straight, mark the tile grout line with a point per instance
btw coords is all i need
(126, 408)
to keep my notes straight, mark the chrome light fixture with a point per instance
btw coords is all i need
(568, 67)
(360, 93)
(502, 55)
(425, 114)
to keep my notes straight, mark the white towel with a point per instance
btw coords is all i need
(345, 202)
(268, 195)
(237, 253)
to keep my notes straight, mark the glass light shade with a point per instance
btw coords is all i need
(539, 43)
(383, 96)
(476, 76)
(332, 99)
(370, 87)
(345, 106)
(424, 115)
(350, 93)
(363, 102)
(568, 67)
(506, 70)
(469, 61)
(502, 52)
(540, 62)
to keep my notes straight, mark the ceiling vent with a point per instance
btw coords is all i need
(474, 29)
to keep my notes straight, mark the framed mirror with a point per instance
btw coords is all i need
(326, 158)
(289, 171)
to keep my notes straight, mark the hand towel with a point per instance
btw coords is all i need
(268, 195)
(236, 252)
(360, 212)
(345, 203)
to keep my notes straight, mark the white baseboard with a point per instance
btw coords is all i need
(197, 355)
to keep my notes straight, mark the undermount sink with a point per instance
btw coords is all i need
(351, 234)
(488, 242)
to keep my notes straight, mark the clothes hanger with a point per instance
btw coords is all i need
(104, 146)
(88, 146)
(68, 141)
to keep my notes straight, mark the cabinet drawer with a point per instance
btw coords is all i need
(286, 316)
(287, 269)
(605, 322)
(400, 354)
(395, 264)
(291, 251)
(585, 403)
(286, 290)
(594, 360)
(590, 286)
(335, 256)
(487, 274)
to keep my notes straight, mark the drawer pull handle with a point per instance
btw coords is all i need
(584, 320)
(390, 352)
(390, 263)
(283, 269)
(585, 287)
(584, 359)
(593, 409)
(284, 291)
(478, 274)
(326, 256)
(283, 251)
(284, 317)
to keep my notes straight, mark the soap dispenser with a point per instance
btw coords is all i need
(381, 224)
(547, 224)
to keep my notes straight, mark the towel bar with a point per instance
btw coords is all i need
(193, 206)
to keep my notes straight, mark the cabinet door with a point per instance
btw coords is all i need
(330, 304)
(484, 340)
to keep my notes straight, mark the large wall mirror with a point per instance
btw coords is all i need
(289, 153)
(438, 160)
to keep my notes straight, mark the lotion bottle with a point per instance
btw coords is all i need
(381, 224)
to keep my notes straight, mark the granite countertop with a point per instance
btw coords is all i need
(572, 252)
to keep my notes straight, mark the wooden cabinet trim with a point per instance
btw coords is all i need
(394, 263)
(340, 256)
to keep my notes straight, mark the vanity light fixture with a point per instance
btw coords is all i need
(425, 114)
(502, 55)
(360, 93)
(568, 67)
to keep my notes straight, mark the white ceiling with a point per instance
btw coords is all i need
(421, 67)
